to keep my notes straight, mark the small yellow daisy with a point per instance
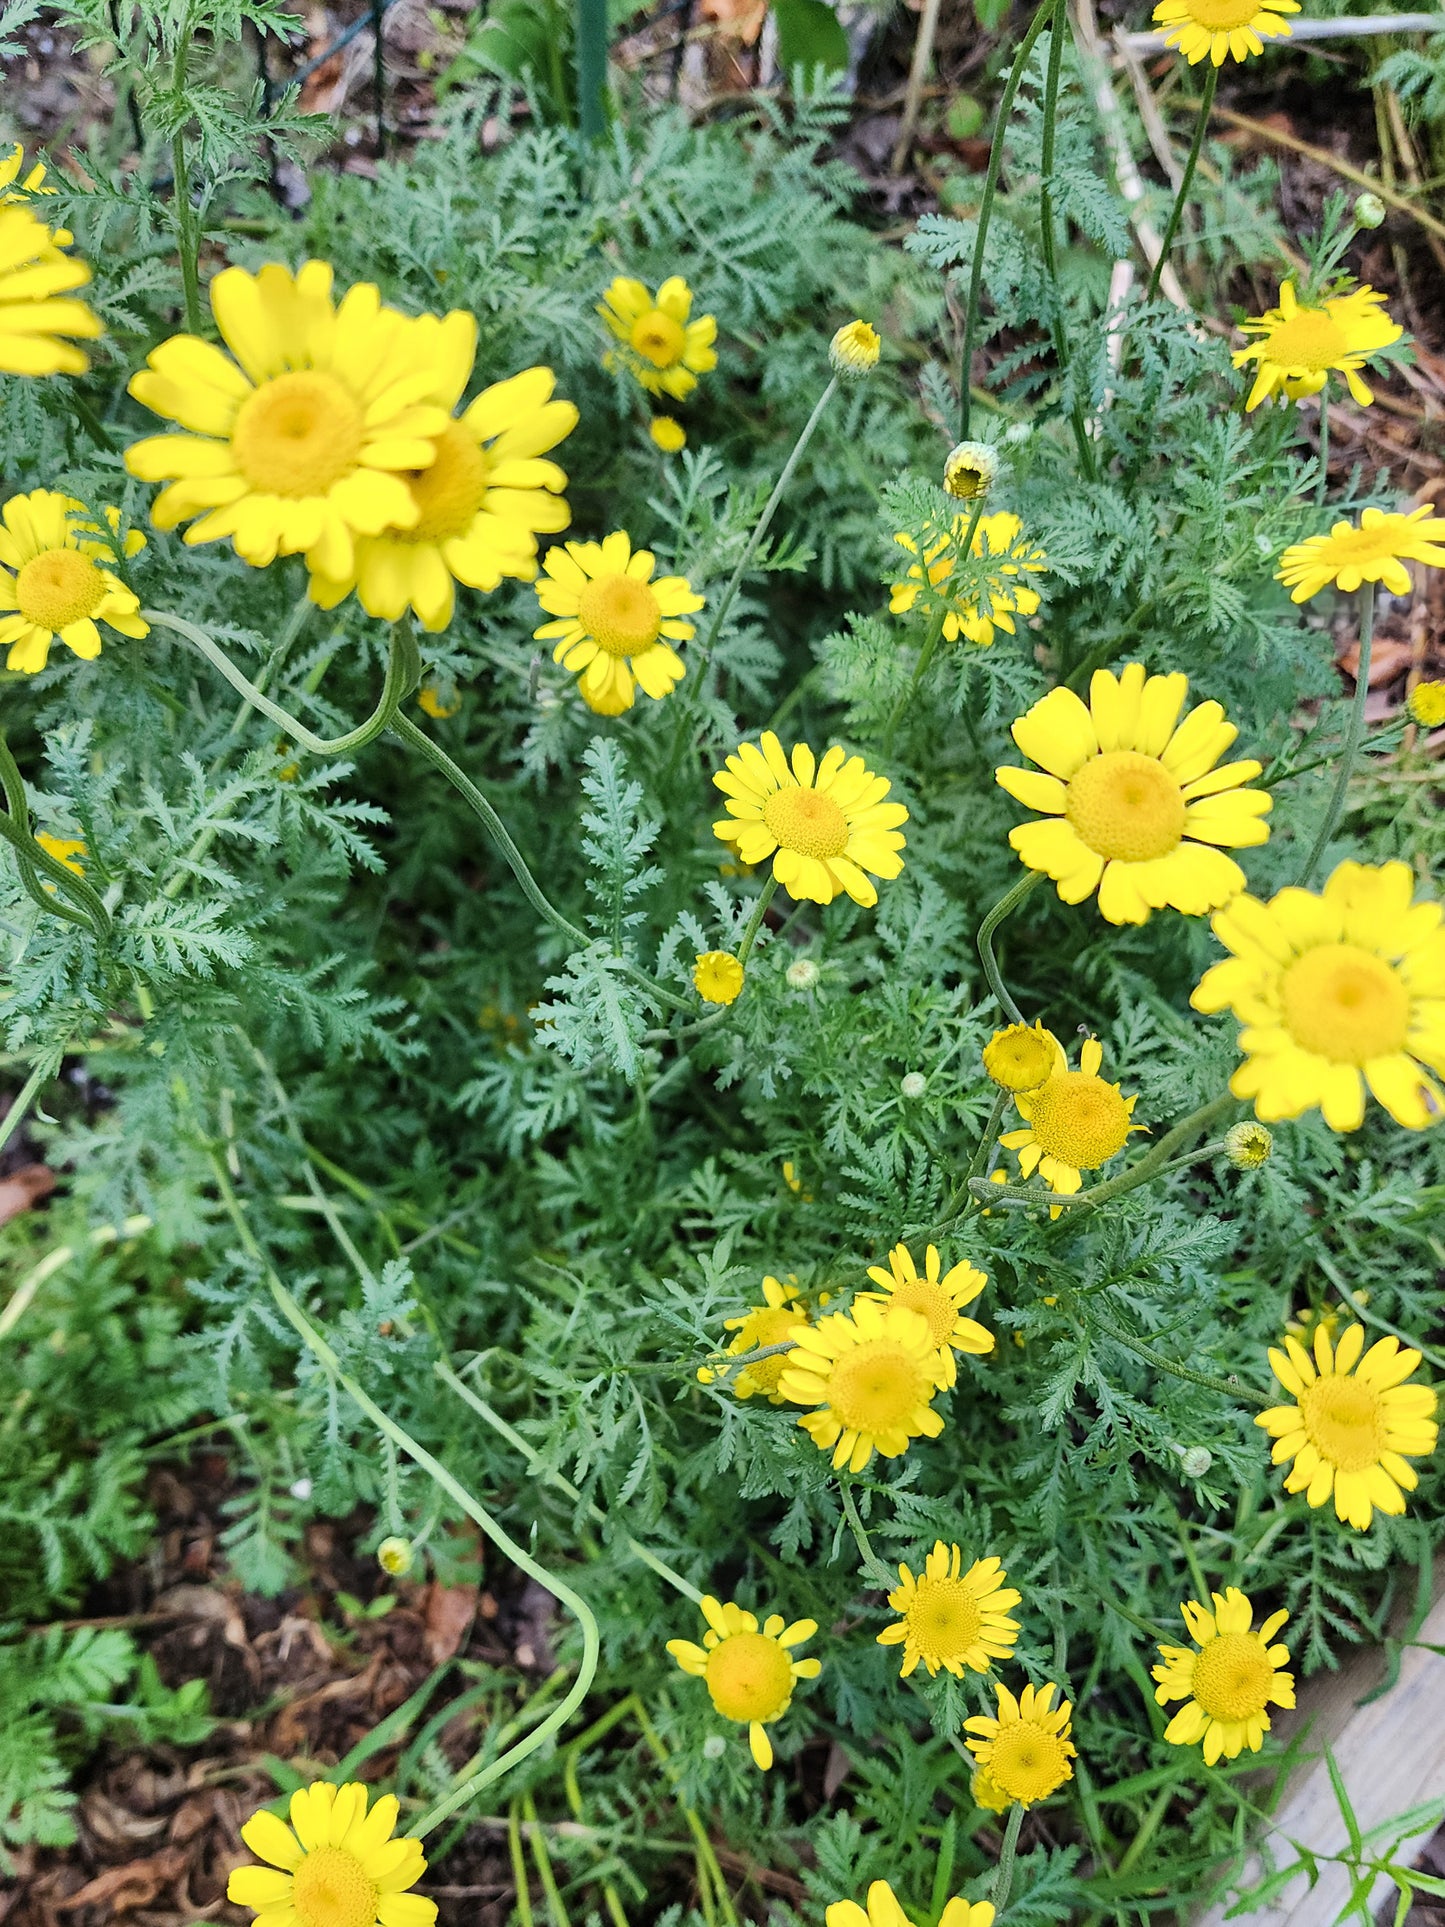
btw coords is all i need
(1299, 346)
(668, 434)
(855, 349)
(1074, 1122)
(884, 1911)
(36, 283)
(61, 586)
(1025, 1751)
(938, 1297)
(996, 536)
(875, 1371)
(336, 1865)
(750, 1672)
(1021, 1056)
(985, 1792)
(1229, 1682)
(1222, 29)
(717, 977)
(1426, 704)
(614, 623)
(782, 1311)
(657, 342)
(952, 1619)
(1376, 551)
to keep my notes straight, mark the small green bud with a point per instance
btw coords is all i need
(913, 1085)
(1369, 211)
(964, 117)
(394, 1556)
(802, 974)
(1196, 1461)
(1247, 1146)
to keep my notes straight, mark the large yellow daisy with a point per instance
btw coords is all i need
(1229, 1682)
(750, 1670)
(61, 587)
(36, 279)
(998, 539)
(1222, 29)
(1336, 992)
(1376, 551)
(657, 343)
(1299, 347)
(481, 503)
(1026, 1751)
(309, 438)
(336, 1865)
(615, 624)
(939, 1298)
(950, 1618)
(1353, 1423)
(1134, 798)
(823, 824)
(1074, 1122)
(884, 1911)
(874, 1370)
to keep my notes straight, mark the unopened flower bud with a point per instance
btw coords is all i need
(1369, 211)
(1021, 1057)
(970, 471)
(1247, 1146)
(668, 433)
(914, 1084)
(301, 1489)
(1196, 1461)
(1427, 704)
(394, 1556)
(717, 976)
(714, 1746)
(855, 349)
(802, 974)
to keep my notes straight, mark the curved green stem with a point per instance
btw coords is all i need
(1322, 482)
(1354, 731)
(19, 1105)
(86, 907)
(985, 210)
(1171, 1366)
(1005, 907)
(755, 921)
(1186, 180)
(1003, 1879)
(877, 1572)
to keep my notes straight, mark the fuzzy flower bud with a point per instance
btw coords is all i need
(717, 976)
(855, 349)
(1021, 1057)
(913, 1085)
(1195, 1461)
(802, 974)
(1427, 704)
(394, 1556)
(714, 1746)
(1247, 1146)
(1369, 211)
(970, 471)
(668, 433)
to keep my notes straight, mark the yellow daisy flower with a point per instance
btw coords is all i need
(823, 824)
(884, 1911)
(480, 504)
(615, 624)
(15, 191)
(35, 281)
(1223, 29)
(1229, 1682)
(782, 1311)
(717, 976)
(952, 1619)
(749, 1671)
(1299, 347)
(305, 440)
(874, 1370)
(1336, 991)
(1074, 1122)
(336, 1865)
(65, 849)
(854, 349)
(1426, 704)
(1021, 1056)
(1353, 1423)
(668, 434)
(61, 586)
(997, 536)
(1026, 1750)
(986, 1792)
(939, 1302)
(1376, 551)
(1134, 799)
(657, 343)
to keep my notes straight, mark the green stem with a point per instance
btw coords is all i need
(877, 1572)
(1155, 1162)
(755, 921)
(985, 210)
(188, 240)
(980, 1155)
(1354, 731)
(1175, 1370)
(592, 69)
(88, 419)
(1058, 28)
(1322, 481)
(85, 907)
(1005, 907)
(1004, 1878)
(1186, 180)
(19, 1105)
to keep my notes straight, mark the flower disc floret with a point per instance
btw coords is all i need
(1026, 1750)
(1353, 1424)
(1376, 551)
(824, 824)
(749, 1669)
(950, 1619)
(988, 605)
(1336, 992)
(1222, 29)
(1074, 1122)
(1136, 801)
(614, 624)
(874, 1371)
(336, 1865)
(55, 583)
(657, 341)
(938, 1297)
(884, 1910)
(1228, 1682)
(37, 313)
(1021, 1056)
(1299, 346)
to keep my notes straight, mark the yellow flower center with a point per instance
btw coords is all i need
(298, 435)
(1019, 1058)
(1223, 16)
(1027, 1763)
(945, 1620)
(58, 587)
(769, 1326)
(1079, 1119)
(1232, 1676)
(331, 1889)
(804, 821)
(1344, 1421)
(1346, 1004)
(620, 614)
(450, 492)
(658, 338)
(933, 1305)
(1309, 339)
(750, 1677)
(1126, 806)
(877, 1387)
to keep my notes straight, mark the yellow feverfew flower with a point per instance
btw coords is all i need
(1353, 1423)
(939, 1302)
(717, 976)
(1026, 1750)
(1336, 991)
(1376, 551)
(1299, 347)
(14, 192)
(885, 1911)
(65, 849)
(668, 433)
(986, 1792)
(1426, 704)
(340, 1866)
(782, 1311)
(1222, 28)
(854, 350)
(997, 536)
(749, 1672)
(35, 279)
(1134, 799)
(61, 586)
(874, 1370)
(615, 623)
(1021, 1056)
(309, 438)
(952, 1619)
(823, 824)
(658, 344)
(1229, 1682)
(480, 503)
(1075, 1122)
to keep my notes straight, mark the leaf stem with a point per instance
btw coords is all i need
(1058, 28)
(1004, 1877)
(1005, 907)
(85, 906)
(755, 921)
(188, 241)
(1186, 180)
(877, 1572)
(1354, 731)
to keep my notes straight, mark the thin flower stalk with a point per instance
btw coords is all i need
(1186, 179)
(1354, 734)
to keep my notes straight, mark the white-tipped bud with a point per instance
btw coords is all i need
(301, 1489)
(1196, 1461)
(802, 974)
(714, 1746)
(970, 471)
(395, 1556)
(913, 1085)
